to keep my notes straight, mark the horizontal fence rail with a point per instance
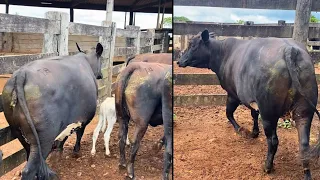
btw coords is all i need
(250, 4)
(181, 28)
(203, 79)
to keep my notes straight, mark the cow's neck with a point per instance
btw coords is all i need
(217, 56)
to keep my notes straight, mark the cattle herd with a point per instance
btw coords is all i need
(46, 100)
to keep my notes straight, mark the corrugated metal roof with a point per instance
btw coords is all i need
(119, 5)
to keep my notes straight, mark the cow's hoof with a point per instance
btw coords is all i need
(254, 134)
(76, 154)
(267, 169)
(107, 155)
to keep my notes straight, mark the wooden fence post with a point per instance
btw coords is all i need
(56, 43)
(108, 43)
(301, 22)
(136, 40)
(153, 33)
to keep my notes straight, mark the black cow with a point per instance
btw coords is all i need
(46, 96)
(270, 76)
(144, 94)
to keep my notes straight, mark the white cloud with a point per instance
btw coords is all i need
(93, 17)
(254, 18)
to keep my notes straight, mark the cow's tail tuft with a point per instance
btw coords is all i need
(20, 79)
(291, 54)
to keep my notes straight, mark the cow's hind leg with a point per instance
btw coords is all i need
(140, 130)
(270, 130)
(123, 134)
(303, 120)
(80, 132)
(255, 129)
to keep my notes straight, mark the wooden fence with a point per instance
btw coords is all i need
(57, 36)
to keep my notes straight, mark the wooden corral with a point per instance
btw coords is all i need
(25, 39)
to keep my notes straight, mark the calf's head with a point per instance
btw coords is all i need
(94, 59)
(198, 52)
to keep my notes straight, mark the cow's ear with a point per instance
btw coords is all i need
(99, 50)
(205, 35)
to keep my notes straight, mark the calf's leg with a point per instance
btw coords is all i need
(111, 122)
(96, 133)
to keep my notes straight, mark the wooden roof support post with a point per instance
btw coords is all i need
(109, 9)
(131, 18)
(301, 23)
(158, 19)
(71, 14)
(7, 7)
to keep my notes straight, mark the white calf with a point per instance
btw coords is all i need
(107, 112)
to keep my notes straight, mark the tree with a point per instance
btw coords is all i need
(313, 19)
(167, 21)
(240, 21)
(181, 18)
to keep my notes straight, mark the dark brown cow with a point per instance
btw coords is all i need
(163, 58)
(144, 95)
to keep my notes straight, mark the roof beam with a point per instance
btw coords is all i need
(250, 4)
(150, 4)
(75, 3)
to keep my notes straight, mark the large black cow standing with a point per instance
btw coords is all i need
(144, 95)
(270, 76)
(45, 96)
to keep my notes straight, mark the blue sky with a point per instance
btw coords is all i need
(230, 15)
(93, 17)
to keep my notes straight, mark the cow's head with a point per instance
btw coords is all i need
(198, 52)
(94, 59)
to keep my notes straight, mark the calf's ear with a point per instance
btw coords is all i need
(99, 50)
(205, 35)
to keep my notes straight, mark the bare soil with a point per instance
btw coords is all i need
(207, 147)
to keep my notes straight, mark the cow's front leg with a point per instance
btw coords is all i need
(255, 129)
(138, 135)
(232, 105)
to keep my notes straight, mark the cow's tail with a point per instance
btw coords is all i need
(20, 79)
(291, 54)
(122, 110)
(129, 59)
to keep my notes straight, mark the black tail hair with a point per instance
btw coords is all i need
(79, 48)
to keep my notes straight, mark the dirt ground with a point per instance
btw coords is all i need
(148, 164)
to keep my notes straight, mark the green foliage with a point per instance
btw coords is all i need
(174, 117)
(167, 21)
(180, 18)
(313, 19)
(240, 21)
(286, 124)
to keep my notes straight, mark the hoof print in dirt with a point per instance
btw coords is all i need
(157, 147)
(122, 166)
(244, 132)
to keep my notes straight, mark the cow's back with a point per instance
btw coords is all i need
(163, 58)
